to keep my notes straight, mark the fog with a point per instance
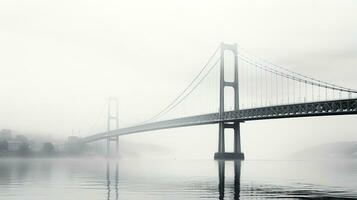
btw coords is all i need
(61, 60)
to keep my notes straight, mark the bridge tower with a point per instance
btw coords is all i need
(235, 125)
(113, 117)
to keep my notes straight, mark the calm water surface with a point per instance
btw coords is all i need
(74, 179)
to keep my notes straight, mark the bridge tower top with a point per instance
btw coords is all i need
(223, 83)
(113, 113)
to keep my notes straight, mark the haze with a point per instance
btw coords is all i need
(61, 60)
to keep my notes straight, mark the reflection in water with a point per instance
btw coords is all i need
(221, 176)
(116, 180)
(237, 170)
(74, 179)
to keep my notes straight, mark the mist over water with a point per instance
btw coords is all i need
(67, 179)
(61, 61)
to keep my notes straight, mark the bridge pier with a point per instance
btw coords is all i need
(222, 154)
(116, 140)
(237, 153)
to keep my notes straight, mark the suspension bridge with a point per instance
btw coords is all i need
(239, 87)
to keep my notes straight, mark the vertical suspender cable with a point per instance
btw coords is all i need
(261, 87)
(267, 87)
(305, 98)
(312, 92)
(299, 91)
(247, 86)
(287, 88)
(271, 89)
(294, 90)
(277, 89)
(282, 90)
(256, 86)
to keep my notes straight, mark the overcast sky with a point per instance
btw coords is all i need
(61, 60)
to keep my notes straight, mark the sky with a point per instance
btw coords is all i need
(61, 60)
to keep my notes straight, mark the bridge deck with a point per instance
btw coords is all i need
(310, 109)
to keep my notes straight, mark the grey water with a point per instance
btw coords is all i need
(98, 179)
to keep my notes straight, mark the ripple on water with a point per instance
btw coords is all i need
(81, 179)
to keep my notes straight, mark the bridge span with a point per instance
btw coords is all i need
(310, 109)
(281, 92)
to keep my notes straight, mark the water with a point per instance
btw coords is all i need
(73, 179)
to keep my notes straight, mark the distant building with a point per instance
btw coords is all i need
(14, 145)
(21, 138)
(5, 134)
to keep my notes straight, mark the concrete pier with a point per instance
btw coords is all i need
(228, 156)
